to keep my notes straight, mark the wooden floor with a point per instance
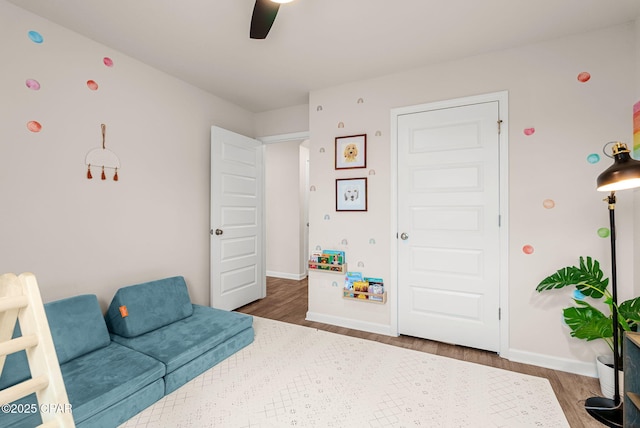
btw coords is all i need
(287, 301)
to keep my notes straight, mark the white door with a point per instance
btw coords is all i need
(448, 224)
(237, 258)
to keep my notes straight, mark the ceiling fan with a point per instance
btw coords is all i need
(264, 13)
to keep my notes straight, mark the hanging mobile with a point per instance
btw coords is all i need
(104, 157)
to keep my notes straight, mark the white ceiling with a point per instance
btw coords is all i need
(317, 43)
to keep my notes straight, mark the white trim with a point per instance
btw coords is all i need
(284, 137)
(503, 99)
(287, 275)
(555, 363)
(350, 323)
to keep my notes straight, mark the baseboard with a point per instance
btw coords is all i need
(555, 363)
(350, 323)
(286, 275)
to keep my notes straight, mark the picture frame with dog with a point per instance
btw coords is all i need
(351, 151)
(351, 194)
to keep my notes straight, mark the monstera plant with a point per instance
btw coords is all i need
(586, 321)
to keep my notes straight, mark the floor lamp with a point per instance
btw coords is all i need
(623, 174)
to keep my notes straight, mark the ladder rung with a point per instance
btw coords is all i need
(13, 302)
(23, 389)
(18, 344)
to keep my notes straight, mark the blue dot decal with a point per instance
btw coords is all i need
(35, 37)
(593, 158)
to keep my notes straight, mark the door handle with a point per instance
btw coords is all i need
(217, 232)
(404, 236)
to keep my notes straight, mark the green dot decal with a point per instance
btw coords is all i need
(603, 232)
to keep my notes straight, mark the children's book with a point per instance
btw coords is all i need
(376, 286)
(350, 279)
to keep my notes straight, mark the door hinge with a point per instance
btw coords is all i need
(499, 314)
(499, 126)
(499, 220)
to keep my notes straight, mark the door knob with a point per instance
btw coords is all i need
(219, 232)
(404, 236)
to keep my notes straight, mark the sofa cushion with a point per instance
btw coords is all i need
(186, 339)
(77, 326)
(141, 308)
(102, 378)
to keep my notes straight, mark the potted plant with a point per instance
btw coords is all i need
(585, 320)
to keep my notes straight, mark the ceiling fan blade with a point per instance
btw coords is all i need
(264, 13)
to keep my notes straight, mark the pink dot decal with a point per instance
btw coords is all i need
(529, 131)
(527, 249)
(34, 126)
(91, 84)
(107, 61)
(33, 84)
(548, 203)
(584, 77)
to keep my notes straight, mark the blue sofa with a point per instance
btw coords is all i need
(151, 341)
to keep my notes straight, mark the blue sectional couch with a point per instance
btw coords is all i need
(151, 341)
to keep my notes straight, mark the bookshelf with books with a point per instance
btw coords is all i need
(332, 261)
(365, 289)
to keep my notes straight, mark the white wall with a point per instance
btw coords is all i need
(572, 120)
(90, 236)
(287, 120)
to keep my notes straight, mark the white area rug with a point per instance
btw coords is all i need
(298, 376)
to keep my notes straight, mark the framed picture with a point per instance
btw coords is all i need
(351, 152)
(351, 194)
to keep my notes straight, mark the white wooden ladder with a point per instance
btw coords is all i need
(20, 300)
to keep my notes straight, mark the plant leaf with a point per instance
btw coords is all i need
(588, 278)
(569, 275)
(629, 313)
(587, 322)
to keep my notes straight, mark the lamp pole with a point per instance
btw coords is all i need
(623, 174)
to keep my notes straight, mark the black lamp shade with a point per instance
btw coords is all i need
(623, 174)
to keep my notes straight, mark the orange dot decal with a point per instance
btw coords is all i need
(34, 126)
(527, 249)
(584, 77)
(91, 84)
(548, 203)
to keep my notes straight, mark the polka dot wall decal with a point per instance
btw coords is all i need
(603, 232)
(584, 77)
(33, 84)
(91, 84)
(593, 158)
(35, 36)
(548, 203)
(527, 249)
(107, 61)
(34, 126)
(529, 131)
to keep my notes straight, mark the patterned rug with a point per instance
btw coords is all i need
(299, 376)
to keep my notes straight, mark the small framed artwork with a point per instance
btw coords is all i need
(351, 152)
(351, 194)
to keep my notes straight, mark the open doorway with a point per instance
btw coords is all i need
(286, 163)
